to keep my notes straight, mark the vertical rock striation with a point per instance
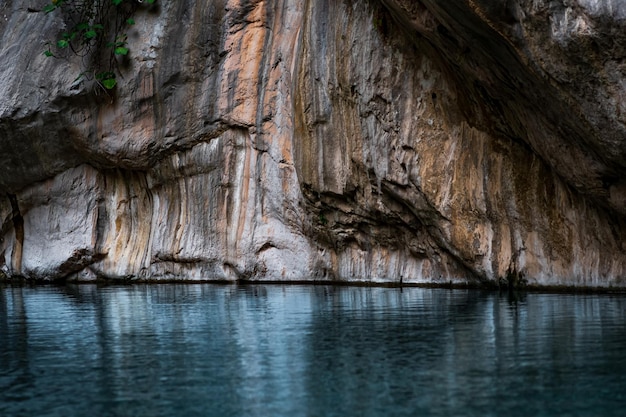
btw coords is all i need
(296, 140)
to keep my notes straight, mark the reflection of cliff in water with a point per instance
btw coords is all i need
(459, 341)
(15, 375)
(152, 336)
(317, 347)
(406, 335)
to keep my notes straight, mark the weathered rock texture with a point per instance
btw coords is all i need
(408, 141)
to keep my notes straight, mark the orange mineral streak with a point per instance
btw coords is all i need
(242, 69)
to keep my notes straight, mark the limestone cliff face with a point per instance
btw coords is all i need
(350, 140)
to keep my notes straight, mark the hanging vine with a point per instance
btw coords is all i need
(96, 34)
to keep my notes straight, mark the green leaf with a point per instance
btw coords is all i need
(90, 34)
(120, 50)
(109, 83)
(62, 43)
(68, 36)
(49, 8)
(130, 21)
(48, 53)
(149, 1)
(97, 26)
(82, 26)
(104, 75)
(117, 2)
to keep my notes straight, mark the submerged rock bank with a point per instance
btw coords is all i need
(388, 141)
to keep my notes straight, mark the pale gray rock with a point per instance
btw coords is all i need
(388, 141)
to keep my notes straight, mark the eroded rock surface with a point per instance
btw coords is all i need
(367, 141)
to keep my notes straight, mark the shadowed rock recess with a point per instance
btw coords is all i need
(382, 141)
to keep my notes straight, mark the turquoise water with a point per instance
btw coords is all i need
(211, 350)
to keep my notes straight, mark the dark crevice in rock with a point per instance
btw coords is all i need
(18, 227)
(339, 222)
(513, 281)
(79, 260)
(266, 246)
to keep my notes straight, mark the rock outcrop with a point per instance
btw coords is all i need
(392, 141)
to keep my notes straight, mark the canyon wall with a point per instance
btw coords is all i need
(383, 141)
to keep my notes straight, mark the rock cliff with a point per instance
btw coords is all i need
(395, 141)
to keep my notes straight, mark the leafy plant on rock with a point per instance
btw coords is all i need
(95, 33)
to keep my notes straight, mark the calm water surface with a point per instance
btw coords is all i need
(209, 350)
